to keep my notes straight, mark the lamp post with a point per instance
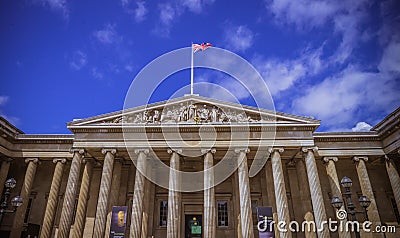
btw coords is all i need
(15, 201)
(363, 200)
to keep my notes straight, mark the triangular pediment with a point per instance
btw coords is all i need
(192, 109)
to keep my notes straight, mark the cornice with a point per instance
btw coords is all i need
(8, 130)
(395, 115)
(346, 136)
(253, 127)
(44, 139)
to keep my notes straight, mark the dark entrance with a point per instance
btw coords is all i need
(193, 226)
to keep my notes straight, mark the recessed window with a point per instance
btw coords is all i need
(222, 213)
(163, 213)
(254, 205)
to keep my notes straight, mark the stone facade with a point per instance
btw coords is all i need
(70, 183)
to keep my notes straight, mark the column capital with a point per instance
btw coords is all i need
(7, 159)
(142, 150)
(170, 151)
(245, 150)
(34, 160)
(77, 150)
(388, 159)
(61, 160)
(105, 150)
(279, 150)
(211, 150)
(306, 149)
(88, 160)
(330, 158)
(358, 158)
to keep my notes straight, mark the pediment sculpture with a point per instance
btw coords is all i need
(197, 113)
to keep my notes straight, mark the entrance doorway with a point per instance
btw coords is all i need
(193, 226)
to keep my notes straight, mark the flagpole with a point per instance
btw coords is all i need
(191, 72)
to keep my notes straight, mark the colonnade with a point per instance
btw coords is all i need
(174, 196)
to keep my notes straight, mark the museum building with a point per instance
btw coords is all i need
(86, 184)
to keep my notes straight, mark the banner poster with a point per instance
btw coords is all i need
(265, 228)
(118, 221)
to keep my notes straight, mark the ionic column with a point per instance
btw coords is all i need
(138, 194)
(146, 210)
(25, 192)
(80, 215)
(246, 218)
(5, 166)
(173, 223)
(366, 189)
(114, 194)
(70, 194)
(271, 194)
(394, 179)
(282, 206)
(51, 206)
(317, 198)
(335, 189)
(305, 197)
(209, 221)
(105, 185)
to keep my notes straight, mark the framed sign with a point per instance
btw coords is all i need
(265, 225)
(118, 221)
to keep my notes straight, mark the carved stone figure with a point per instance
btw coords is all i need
(156, 116)
(145, 116)
(138, 118)
(192, 112)
(204, 114)
(214, 114)
(182, 111)
(162, 119)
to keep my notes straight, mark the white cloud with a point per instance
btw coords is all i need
(346, 18)
(140, 11)
(79, 60)
(3, 100)
(281, 75)
(96, 73)
(107, 35)
(351, 95)
(340, 99)
(239, 38)
(167, 16)
(193, 5)
(391, 58)
(129, 68)
(302, 13)
(13, 120)
(125, 3)
(167, 13)
(60, 6)
(196, 6)
(361, 126)
(171, 11)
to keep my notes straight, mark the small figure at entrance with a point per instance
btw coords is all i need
(193, 226)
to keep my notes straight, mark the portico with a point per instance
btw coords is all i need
(296, 174)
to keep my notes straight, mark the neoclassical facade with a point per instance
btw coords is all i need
(70, 183)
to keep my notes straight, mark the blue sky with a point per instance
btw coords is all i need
(337, 61)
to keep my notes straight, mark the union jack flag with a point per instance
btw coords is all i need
(202, 46)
